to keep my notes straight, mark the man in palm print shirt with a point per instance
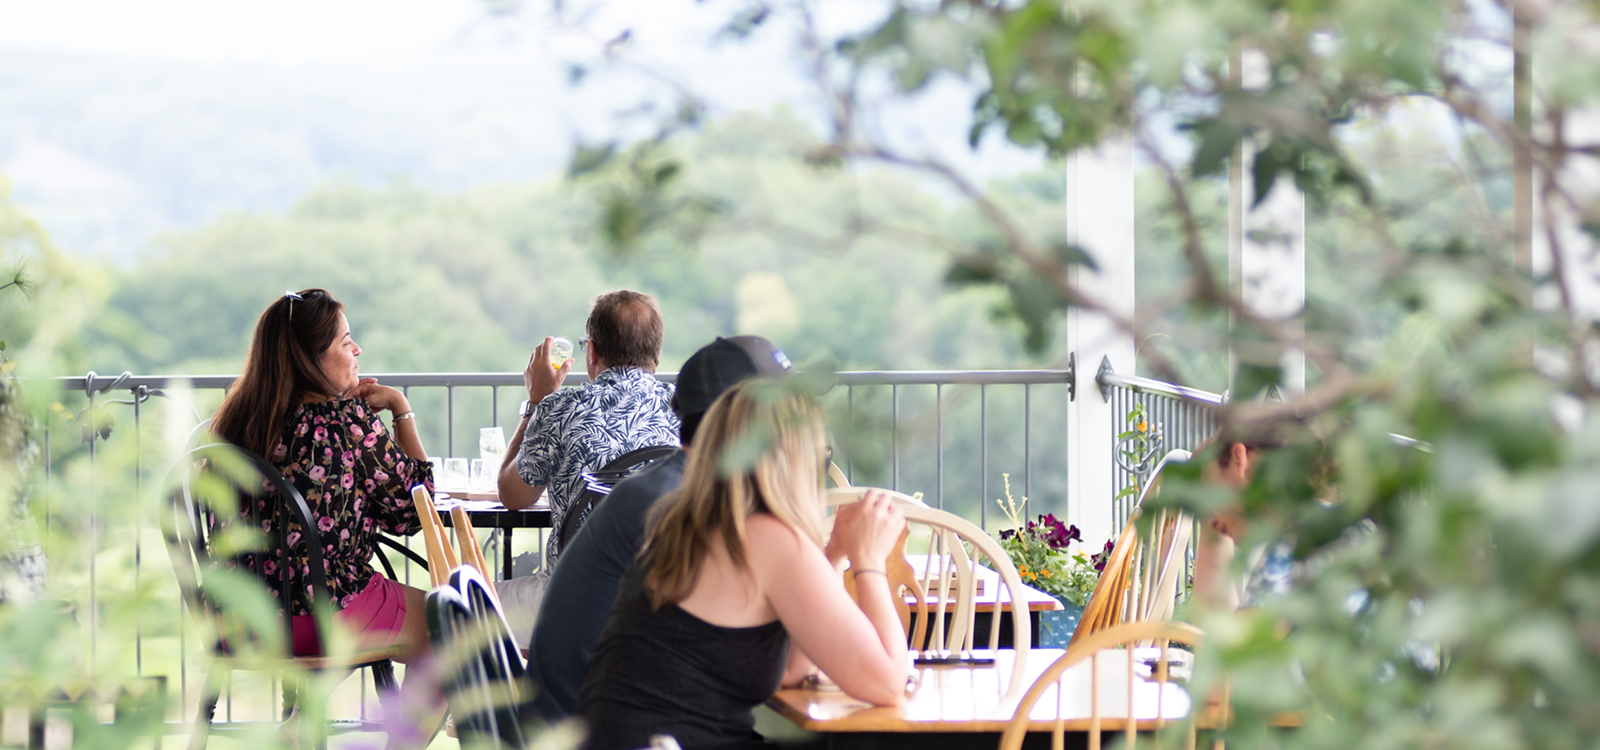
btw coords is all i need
(565, 432)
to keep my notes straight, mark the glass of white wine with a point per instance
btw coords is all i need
(560, 351)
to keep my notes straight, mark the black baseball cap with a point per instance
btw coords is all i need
(720, 365)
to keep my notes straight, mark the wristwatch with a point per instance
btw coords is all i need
(526, 409)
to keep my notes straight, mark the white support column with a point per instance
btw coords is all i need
(1267, 245)
(1100, 219)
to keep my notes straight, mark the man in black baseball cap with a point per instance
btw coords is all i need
(584, 584)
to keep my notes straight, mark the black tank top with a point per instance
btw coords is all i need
(668, 672)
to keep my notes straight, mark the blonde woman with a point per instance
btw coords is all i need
(734, 593)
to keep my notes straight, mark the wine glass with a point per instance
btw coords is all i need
(491, 444)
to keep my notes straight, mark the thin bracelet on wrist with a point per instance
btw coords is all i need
(401, 417)
(857, 573)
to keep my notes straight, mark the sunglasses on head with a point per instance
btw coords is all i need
(294, 297)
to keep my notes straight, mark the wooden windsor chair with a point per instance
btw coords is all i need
(442, 558)
(944, 591)
(1117, 658)
(1144, 576)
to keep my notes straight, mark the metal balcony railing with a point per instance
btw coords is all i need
(950, 435)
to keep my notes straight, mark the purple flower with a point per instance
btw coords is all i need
(1007, 534)
(1104, 557)
(1057, 534)
(325, 523)
(348, 458)
(371, 439)
(356, 431)
(294, 538)
(317, 473)
(320, 435)
(280, 451)
(347, 481)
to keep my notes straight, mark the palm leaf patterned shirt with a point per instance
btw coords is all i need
(581, 429)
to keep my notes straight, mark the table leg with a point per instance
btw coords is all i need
(505, 555)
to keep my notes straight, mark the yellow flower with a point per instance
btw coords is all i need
(1142, 425)
(1046, 573)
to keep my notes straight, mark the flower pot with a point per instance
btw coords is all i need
(1057, 626)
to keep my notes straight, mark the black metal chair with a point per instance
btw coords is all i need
(599, 483)
(203, 528)
(480, 667)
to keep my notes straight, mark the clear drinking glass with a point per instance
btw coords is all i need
(560, 351)
(455, 473)
(491, 444)
(480, 478)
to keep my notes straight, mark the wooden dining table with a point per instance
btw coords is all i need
(969, 705)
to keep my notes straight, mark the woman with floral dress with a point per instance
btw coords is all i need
(302, 404)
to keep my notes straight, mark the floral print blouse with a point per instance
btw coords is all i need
(357, 482)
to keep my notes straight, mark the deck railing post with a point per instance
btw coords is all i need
(1100, 220)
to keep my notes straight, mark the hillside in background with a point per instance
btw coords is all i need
(832, 264)
(109, 152)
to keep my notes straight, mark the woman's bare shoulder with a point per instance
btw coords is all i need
(766, 533)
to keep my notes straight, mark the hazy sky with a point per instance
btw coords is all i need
(670, 37)
(496, 82)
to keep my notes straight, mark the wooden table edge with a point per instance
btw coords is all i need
(875, 722)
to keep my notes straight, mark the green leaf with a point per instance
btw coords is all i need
(665, 173)
(1070, 254)
(1035, 301)
(1253, 379)
(1275, 157)
(1217, 141)
(970, 270)
(586, 158)
(745, 22)
(742, 453)
(248, 603)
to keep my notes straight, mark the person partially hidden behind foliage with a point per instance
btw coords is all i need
(302, 404)
(1271, 568)
(734, 593)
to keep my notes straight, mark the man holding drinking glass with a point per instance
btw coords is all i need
(565, 432)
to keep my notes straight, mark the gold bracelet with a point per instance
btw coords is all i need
(400, 417)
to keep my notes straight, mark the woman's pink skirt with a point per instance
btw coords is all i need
(375, 616)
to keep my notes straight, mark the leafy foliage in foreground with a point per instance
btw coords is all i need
(1450, 594)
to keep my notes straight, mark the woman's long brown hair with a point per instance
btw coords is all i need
(283, 365)
(759, 450)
